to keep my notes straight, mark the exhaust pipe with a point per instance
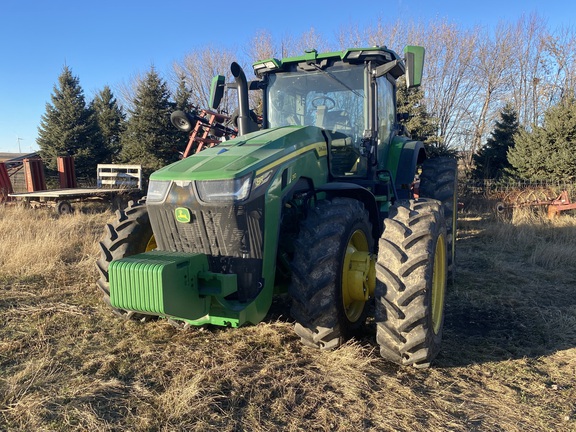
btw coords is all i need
(243, 108)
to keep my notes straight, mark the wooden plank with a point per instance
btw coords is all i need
(119, 175)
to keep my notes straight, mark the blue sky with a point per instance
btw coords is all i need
(108, 42)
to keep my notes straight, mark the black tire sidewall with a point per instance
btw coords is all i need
(128, 235)
(432, 186)
(316, 288)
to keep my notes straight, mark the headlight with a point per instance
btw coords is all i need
(157, 190)
(234, 190)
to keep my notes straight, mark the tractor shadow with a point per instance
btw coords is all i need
(505, 306)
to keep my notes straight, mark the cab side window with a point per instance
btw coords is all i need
(386, 109)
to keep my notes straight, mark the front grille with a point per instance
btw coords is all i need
(231, 236)
(231, 231)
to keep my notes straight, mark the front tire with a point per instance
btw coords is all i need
(412, 274)
(333, 274)
(130, 234)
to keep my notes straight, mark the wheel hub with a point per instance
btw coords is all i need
(358, 276)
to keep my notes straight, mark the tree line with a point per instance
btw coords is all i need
(101, 132)
(474, 78)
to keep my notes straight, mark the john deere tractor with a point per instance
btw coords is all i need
(323, 197)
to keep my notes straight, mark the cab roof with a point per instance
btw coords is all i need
(376, 55)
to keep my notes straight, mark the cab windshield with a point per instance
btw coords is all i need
(333, 99)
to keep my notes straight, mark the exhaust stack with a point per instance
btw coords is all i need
(243, 107)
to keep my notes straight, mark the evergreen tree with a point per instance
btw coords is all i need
(491, 161)
(110, 119)
(183, 96)
(547, 152)
(68, 128)
(149, 138)
(418, 122)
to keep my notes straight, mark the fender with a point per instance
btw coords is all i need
(357, 192)
(407, 154)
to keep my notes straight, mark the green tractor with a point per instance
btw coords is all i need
(323, 197)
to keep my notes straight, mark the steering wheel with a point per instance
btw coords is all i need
(328, 102)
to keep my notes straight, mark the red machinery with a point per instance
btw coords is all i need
(5, 184)
(206, 129)
(560, 204)
(555, 206)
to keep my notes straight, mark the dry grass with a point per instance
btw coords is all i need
(66, 363)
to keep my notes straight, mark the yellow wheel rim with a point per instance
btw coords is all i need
(438, 284)
(151, 245)
(358, 276)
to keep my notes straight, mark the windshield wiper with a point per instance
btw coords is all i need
(331, 75)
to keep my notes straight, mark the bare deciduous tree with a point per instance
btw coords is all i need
(526, 73)
(470, 73)
(262, 47)
(450, 91)
(307, 41)
(490, 68)
(126, 91)
(560, 66)
(349, 36)
(392, 35)
(199, 67)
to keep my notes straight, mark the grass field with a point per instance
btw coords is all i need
(508, 361)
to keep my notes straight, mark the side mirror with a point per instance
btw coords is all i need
(216, 91)
(414, 65)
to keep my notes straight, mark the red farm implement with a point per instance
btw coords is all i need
(538, 198)
(206, 129)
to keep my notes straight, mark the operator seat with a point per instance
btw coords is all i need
(343, 155)
(333, 120)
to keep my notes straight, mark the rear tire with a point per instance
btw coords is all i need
(130, 234)
(411, 283)
(439, 181)
(332, 273)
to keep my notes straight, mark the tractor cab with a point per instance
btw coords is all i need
(351, 96)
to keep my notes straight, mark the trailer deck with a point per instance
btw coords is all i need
(115, 183)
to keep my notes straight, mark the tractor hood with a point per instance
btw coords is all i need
(253, 152)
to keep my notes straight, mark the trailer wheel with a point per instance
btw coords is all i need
(411, 283)
(439, 180)
(333, 273)
(130, 234)
(64, 208)
(181, 121)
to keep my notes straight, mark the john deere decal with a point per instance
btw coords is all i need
(182, 215)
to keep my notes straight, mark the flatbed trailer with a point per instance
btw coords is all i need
(115, 184)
